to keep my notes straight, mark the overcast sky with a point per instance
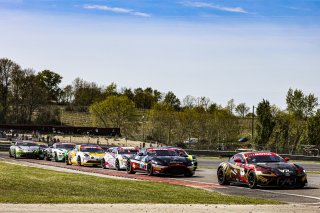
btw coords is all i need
(246, 50)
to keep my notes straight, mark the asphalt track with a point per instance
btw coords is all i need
(205, 177)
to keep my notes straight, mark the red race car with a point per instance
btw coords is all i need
(261, 169)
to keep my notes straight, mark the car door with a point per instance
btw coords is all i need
(235, 168)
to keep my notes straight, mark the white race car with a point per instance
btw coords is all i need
(58, 151)
(86, 154)
(116, 157)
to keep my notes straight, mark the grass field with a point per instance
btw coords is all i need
(19, 184)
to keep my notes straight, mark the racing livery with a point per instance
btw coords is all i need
(160, 161)
(86, 154)
(58, 151)
(183, 153)
(116, 157)
(27, 149)
(261, 169)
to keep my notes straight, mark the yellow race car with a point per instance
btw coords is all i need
(85, 154)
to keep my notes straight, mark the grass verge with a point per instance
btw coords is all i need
(19, 184)
(313, 172)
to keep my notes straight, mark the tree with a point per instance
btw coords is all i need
(7, 67)
(86, 93)
(171, 99)
(300, 105)
(265, 123)
(50, 81)
(115, 111)
(230, 106)
(163, 119)
(242, 109)
(111, 90)
(313, 129)
(67, 94)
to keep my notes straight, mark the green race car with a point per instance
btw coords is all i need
(26, 149)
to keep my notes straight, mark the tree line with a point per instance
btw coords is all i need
(28, 97)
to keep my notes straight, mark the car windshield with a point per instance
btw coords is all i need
(26, 144)
(65, 146)
(162, 153)
(128, 151)
(265, 159)
(181, 153)
(92, 149)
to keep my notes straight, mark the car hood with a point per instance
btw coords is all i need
(28, 148)
(282, 166)
(171, 159)
(95, 154)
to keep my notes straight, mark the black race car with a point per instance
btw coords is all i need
(160, 161)
(261, 169)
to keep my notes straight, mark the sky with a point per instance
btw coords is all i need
(246, 50)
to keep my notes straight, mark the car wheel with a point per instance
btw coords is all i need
(149, 169)
(10, 154)
(56, 157)
(222, 180)
(189, 174)
(15, 155)
(47, 157)
(129, 168)
(117, 165)
(67, 160)
(252, 180)
(103, 163)
(79, 161)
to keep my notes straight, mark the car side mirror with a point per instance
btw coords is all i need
(238, 160)
(286, 159)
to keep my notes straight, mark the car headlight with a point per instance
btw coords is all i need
(157, 162)
(86, 155)
(190, 163)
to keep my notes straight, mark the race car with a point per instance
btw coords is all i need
(58, 151)
(86, 154)
(27, 149)
(116, 157)
(160, 161)
(183, 153)
(261, 169)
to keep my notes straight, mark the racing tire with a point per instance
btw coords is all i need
(103, 163)
(79, 161)
(10, 154)
(252, 180)
(47, 157)
(117, 165)
(129, 168)
(189, 174)
(222, 179)
(14, 155)
(56, 157)
(67, 160)
(149, 169)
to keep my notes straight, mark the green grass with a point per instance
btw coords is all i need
(314, 172)
(19, 184)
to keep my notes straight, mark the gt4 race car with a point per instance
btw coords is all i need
(160, 161)
(58, 151)
(27, 149)
(183, 153)
(261, 169)
(117, 157)
(86, 154)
